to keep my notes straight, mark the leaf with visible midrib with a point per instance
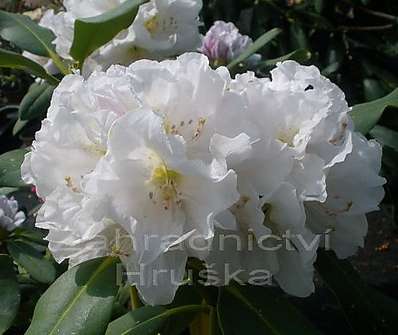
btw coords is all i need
(13, 60)
(32, 261)
(28, 35)
(94, 32)
(36, 102)
(79, 302)
(9, 293)
(257, 45)
(149, 320)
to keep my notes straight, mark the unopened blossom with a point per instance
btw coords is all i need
(10, 215)
(223, 43)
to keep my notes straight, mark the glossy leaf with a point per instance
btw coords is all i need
(9, 293)
(28, 35)
(10, 168)
(186, 295)
(13, 60)
(79, 302)
(18, 126)
(32, 261)
(87, 38)
(148, 320)
(260, 310)
(366, 310)
(367, 115)
(257, 45)
(36, 102)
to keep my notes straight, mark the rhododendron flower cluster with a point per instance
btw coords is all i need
(155, 161)
(10, 215)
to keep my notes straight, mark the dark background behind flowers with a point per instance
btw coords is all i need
(353, 42)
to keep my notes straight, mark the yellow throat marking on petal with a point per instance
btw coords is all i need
(199, 128)
(152, 25)
(170, 128)
(69, 183)
(166, 182)
(96, 150)
(137, 53)
(287, 135)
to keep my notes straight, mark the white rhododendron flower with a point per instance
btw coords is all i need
(354, 188)
(98, 132)
(10, 216)
(161, 29)
(167, 27)
(158, 161)
(223, 43)
(303, 119)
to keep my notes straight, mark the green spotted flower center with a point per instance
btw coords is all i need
(166, 182)
(287, 136)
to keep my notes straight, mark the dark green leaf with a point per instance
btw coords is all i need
(9, 293)
(28, 35)
(10, 168)
(186, 295)
(319, 4)
(13, 60)
(257, 45)
(7, 190)
(386, 76)
(367, 115)
(33, 235)
(298, 36)
(331, 68)
(260, 310)
(361, 304)
(19, 125)
(36, 102)
(32, 261)
(148, 320)
(79, 302)
(86, 37)
(373, 89)
(385, 136)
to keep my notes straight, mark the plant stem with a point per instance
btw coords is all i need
(366, 28)
(59, 63)
(213, 322)
(134, 298)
